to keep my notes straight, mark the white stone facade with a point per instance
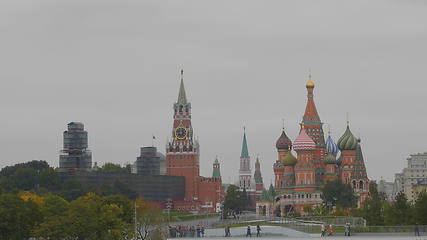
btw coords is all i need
(415, 171)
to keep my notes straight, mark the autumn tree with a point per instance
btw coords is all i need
(150, 220)
(17, 217)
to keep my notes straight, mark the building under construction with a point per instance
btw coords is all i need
(149, 181)
(75, 155)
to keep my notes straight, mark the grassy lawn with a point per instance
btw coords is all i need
(186, 216)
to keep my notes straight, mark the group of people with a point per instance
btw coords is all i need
(326, 230)
(248, 231)
(186, 231)
(329, 230)
(258, 231)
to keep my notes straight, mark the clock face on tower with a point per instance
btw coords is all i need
(180, 133)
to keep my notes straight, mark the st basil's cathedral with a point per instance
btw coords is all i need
(298, 179)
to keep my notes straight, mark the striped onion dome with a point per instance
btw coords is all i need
(283, 142)
(303, 141)
(331, 147)
(289, 160)
(347, 141)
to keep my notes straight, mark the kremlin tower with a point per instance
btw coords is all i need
(259, 185)
(216, 173)
(253, 186)
(182, 159)
(245, 163)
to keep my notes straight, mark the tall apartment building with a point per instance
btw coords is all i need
(416, 171)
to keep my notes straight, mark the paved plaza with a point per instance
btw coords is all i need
(326, 238)
(274, 232)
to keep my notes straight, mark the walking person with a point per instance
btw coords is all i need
(417, 230)
(322, 230)
(346, 229)
(330, 230)
(198, 230)
(248, 232)
(228, 231)
(258, 231)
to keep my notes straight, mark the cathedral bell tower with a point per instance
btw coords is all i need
(182, 151)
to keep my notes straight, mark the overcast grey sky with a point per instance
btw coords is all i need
(114, 65)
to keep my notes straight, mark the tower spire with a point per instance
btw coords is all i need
(182, 97)
(245, 152)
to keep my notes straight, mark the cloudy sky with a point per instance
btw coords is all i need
(114, 65)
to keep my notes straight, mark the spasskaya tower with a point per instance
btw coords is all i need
(182, 150)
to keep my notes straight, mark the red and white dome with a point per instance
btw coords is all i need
(303, 142)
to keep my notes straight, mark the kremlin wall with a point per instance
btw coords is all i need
(301, 167)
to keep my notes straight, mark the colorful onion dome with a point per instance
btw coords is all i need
(330, 159)
(309, 84)
(303, 141)
(331, 147)
(289, 160)
(347, 141)
(283, 142)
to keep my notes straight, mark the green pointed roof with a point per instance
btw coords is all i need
(216, 173)
(245, 152)
(182, 97)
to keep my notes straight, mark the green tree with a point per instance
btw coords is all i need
(17, 217)
(233, 201)
(124, 203)
(48, 178)
(338, 193)
(25, 178)
(373, 209)
(36, 165)
(420, 209)
(90, 219)
(399, 212)
(113, 168)
(71, 189)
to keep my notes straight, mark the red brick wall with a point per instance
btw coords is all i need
(186, 165)
(210, 191)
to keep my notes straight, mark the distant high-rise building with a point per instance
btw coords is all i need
(75, 156)
(415, 172)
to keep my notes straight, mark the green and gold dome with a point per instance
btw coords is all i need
(347, 141)
(289, 159)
